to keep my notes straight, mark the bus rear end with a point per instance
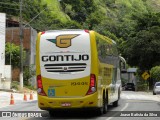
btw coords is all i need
(63, 69)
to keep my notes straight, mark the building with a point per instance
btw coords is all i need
(29, 45)
(5, 70)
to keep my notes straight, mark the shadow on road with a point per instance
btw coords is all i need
(76, 114)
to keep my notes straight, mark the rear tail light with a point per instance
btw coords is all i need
(39, 81)
(92, 87)
(40, 86)
(42, 32)
(87, 31)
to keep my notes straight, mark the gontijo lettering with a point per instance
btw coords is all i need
(47, 58)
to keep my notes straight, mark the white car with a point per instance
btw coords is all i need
(156, 89)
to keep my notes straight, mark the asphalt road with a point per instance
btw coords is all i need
(132, 106)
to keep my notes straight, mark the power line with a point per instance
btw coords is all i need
(35, 17)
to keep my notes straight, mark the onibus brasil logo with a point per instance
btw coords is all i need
(63, 41)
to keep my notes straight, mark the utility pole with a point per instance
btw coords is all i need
(21, 46)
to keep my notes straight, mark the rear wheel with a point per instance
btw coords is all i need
(105, 105)
(115, 104)
(104, 108)
(119, 92)
(154, 93)
(51, 113)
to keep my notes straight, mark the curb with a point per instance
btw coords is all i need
(6, 90)
(14, 91)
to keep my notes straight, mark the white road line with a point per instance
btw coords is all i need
(126, 105)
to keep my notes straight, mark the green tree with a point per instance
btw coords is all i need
(143, 47)
(29, 72)
(75, 9)
(155, 73)
(12, 55)
(10, 7)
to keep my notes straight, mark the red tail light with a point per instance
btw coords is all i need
(39, 81)
(92, 87)
(92, 80)
(42, 32)
(40, 86)
(87, 31)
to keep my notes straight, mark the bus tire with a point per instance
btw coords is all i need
(103, 109)
(154, 93)
(100, 111)
(51, 113)
(115, 104)
(119, 92)
(105, 104)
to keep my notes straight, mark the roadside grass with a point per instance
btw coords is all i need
(15, 85)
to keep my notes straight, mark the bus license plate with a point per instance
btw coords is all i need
(65, 104)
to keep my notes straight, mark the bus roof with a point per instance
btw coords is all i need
(110, 41)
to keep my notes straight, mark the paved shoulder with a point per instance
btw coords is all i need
(17, 98)
(139, 96)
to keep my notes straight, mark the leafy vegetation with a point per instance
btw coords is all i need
(12, 55)
(10, 7)
(155, 73)
(29, 72)
(14, 85)
(143, 47)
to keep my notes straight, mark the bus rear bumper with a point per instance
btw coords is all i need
(70, 109)
(87, 102)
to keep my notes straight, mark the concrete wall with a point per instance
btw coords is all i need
(2, 43)
(5, 83)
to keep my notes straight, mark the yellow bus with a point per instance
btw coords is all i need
(77, 69)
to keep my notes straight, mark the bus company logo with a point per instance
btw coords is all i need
(63, 41)
(65, 68)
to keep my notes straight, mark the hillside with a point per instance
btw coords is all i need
(54, 7)
(90, 13)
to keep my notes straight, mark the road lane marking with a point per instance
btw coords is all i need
(126, 105)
